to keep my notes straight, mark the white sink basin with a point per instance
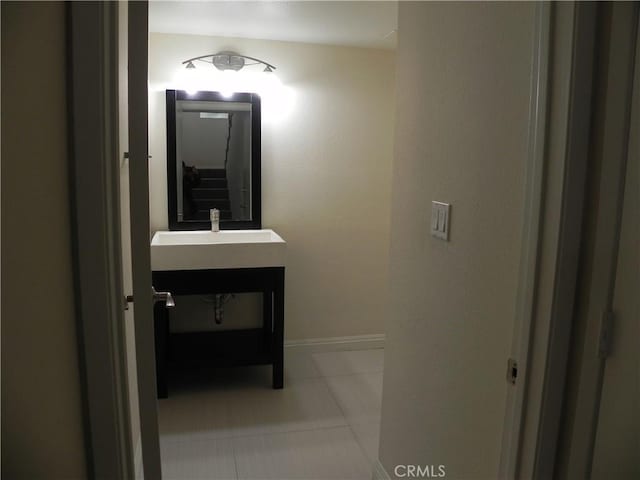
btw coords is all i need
(199, 250)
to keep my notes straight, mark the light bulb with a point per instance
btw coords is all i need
(270, 86)
(187, 80)
(228, 83)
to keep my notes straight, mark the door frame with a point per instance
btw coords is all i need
(571, 207)
(551, 240)
(92, 47)
(530, 243)
(534, 433)
(614, 75)
(97, 258)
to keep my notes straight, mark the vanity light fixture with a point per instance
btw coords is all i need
(229, 61)
(230, 76)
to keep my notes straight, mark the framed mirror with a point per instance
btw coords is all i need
(213, 160)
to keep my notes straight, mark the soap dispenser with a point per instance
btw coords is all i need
(214, 214)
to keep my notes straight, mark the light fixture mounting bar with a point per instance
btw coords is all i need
(210, 58)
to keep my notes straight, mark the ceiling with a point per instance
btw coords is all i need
(358, 24)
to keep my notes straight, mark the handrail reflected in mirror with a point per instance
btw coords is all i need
(213, 160)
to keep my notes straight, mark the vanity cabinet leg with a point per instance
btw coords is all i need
(161, 332)
(278, 331)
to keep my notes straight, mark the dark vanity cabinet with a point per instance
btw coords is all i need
(255, 346)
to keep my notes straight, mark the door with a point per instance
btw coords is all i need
(134, 199)
(108, 116)
(125, 234)
(617, 442)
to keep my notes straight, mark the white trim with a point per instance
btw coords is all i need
(566, 269)
(532, 211)
(137, 458)
(379, 472)
(355, 342)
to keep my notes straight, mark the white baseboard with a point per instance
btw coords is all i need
(137, 458)
(379, 472)
(355, 342)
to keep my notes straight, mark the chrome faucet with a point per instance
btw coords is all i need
(214, 214)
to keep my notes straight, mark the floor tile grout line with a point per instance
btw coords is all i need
(235, 458)
(353, 433)
(325, 377)
(345, 423)
(206, 438)
(263, 434)
(255, 434)
(322, 374)
(344, 417)
(351, 374)
(230, 388)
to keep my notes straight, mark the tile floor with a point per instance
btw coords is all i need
(230, 424)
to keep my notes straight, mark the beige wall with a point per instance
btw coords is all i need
(463, 77)
(326, 174)
(42, 434)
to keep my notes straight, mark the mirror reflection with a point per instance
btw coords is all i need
(213, 141)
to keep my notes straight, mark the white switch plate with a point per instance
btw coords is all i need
(440, 215)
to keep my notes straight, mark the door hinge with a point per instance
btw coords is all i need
(512, 371)
(605, 341)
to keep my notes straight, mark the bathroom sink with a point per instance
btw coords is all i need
(200, 250)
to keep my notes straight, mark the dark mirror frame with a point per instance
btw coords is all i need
(172, 191)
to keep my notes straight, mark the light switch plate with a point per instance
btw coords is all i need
(440, 216)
